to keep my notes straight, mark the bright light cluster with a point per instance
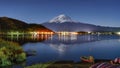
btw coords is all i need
(67, 33)
(41, 33)
(118, 33)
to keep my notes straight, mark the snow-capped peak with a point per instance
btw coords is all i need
(61, 19)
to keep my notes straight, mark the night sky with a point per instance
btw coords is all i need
(98, 12)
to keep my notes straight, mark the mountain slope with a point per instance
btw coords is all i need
(10, 24)
(36, 27)
(69, 25)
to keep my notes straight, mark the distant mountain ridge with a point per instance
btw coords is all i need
(65, 23)
(59, 23)
(10, 24)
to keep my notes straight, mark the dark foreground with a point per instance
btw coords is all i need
(66, 64)
(70, 65)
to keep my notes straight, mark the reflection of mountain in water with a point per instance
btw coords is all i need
(63, 43)
(60, 42)
(60, 47)
(78, 39)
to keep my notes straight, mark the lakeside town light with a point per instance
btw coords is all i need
(67, 33)
(118, 33)
(36, 33)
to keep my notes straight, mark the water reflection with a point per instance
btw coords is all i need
(68, 47)
(67, 37)
(62, 43)
(78, 39)
(28, 38)
(60, 47)
(58, 38)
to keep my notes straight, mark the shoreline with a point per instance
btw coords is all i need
(68, 64)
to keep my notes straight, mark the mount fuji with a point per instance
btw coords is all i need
(61, 19)
(65, 23)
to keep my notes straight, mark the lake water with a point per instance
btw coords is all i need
(70, 47)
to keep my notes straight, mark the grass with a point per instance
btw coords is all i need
(52, 65)
(10, 53)
(70, 65)
(41, 65)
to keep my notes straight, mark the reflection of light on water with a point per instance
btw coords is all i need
(89, 38)
(42, 36)
(92, 37)
(67, 37)
(28, 37)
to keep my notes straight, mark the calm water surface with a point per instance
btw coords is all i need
(70, 47)
(58, 47)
